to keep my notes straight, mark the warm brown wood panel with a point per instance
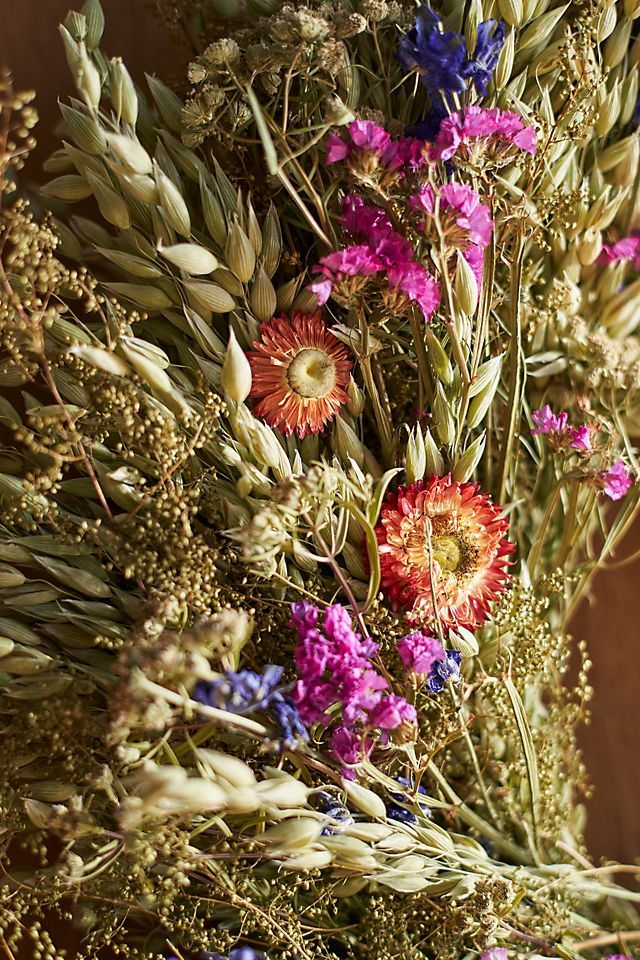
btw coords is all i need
(29, 45)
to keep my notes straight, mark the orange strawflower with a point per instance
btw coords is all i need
(300, 373)
(454, 531)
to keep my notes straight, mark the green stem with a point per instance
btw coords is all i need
(509, 458)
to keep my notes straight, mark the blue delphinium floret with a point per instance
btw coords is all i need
(286, 715)
(444, 670)
(240, 691)
(445, 66)
(438, 55)
(479, 68)
(397, 812)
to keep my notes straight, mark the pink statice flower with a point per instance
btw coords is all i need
(476, 130)
(580, 437)
(616, 481)
(369, 149)
(384, 250)
(335, 670)
(495, 953)
(417, 284)
(419, 651)
(464, 218)
(349, 748)
(546, 421)
(392, 712)
(626, 249)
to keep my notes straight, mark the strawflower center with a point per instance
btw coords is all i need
(311, 374)
(447, 553)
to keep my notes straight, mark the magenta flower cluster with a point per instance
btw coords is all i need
(370, 143)
(482, 127)
(380, 249)
(615, 481)
(628, 248)
(471, 218)
(546, 421)
(419, 652)
(334, 670)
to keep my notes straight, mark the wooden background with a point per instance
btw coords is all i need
(30, 47)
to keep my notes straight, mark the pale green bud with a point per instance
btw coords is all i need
(172, 203)
(263, 296)
(347, 444)
(463, 640)
(483, 390)
(123, 92)
(210, 296)
(138, 186)
(190, 257)
(589, 247)
(169, 106)
(88, 79)
(624, 175)
(443, 418)
(466, 287)
(239, 253)
(606, 23)
(337, 113)
(271, 242)
(608, 109)
(355, 404)
(472, 20)
(214, 217)
(68, 187)
(94, 19)
(112, 206)
(354, 561)
(629, 96)
(85, 131)
(416, 456)
(505, 60)
(434, 461)
(235, 379)
(464, 467)
(438, 357)
(130, 152)
(364, 799)
(512, 12)
(617, 45)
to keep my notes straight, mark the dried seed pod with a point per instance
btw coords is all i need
(172, 203)
(240, 255)
(211, 296)
(263, 296)
(190, 257)
(235, 379)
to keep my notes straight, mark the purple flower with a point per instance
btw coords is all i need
(580, 437)
(441, 57)
(444, 670)
(360, 220)
(349, 748)
(287, 716)
(616, 481)
(495, 953)
(417, 284)
(397, 812)
(489, 43)
(391, 712)
(238, 953)
(547, 421)
(372, 144)
(419, 652)
(240, 692)
(438, 55)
